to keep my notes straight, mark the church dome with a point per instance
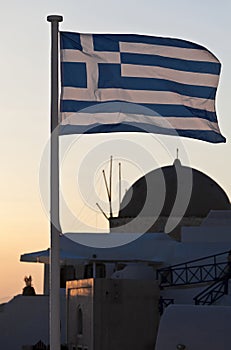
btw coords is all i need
(204, 193)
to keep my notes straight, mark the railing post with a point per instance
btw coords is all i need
(215, 265)
(161, 306)
(226, 286)
(186, 273)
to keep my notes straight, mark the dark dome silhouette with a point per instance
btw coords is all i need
(206, 194)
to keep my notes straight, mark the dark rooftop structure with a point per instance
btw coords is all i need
(171, 190)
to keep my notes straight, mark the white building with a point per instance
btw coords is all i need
(187, 269)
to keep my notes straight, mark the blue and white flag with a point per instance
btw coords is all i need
(124, 83)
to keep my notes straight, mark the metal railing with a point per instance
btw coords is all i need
(163, 303)
(206, 269)
(213, 293)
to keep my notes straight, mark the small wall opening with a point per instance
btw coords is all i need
(79, 321)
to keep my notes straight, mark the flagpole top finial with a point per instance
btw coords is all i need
(54, 18)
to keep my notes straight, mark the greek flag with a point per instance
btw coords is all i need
(124, 83)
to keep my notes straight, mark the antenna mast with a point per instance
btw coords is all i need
(102, 211)
(119, 184)
(110, 188)
(109, 192)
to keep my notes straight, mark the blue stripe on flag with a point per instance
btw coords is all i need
(72, 106)
(144, 128)
(111, 41)
(172, 63)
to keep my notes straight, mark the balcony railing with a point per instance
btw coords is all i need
(206, 269)
(213, 293)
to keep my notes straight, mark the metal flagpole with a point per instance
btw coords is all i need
(55, 229)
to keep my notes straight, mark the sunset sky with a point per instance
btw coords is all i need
(25, 120)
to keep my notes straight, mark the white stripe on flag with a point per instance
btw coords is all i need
(81, 56)
(168, 51)
(191, 78)
(138, 96)
(116, 117)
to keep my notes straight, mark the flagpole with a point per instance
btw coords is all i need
(55, 230)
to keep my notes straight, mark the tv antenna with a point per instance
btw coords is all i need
(108, 186)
